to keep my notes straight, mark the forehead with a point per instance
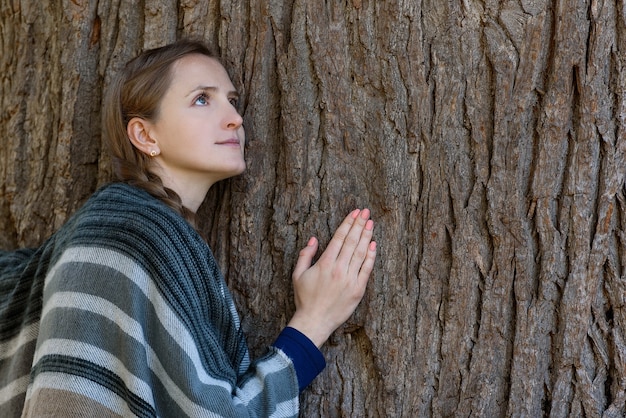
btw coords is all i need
(196, 69)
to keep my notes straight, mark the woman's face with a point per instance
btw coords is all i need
(198, 130)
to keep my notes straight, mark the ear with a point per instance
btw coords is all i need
(139, 133)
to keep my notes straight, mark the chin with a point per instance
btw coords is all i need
(235, 172)
(240, 170)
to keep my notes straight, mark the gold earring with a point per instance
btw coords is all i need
(153, 153)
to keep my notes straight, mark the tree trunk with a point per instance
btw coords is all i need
(487, 138)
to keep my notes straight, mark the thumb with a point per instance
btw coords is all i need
(305, 257)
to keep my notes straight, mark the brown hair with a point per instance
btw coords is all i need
(137, 92)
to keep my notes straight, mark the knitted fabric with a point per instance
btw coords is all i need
(124, 312)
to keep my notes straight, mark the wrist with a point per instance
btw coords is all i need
(312, 328)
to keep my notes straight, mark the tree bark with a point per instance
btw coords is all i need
(487, 138)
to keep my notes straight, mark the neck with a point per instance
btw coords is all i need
(191, 192)
(191, 197)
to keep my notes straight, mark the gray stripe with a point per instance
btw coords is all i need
(73, 308)
(155, 310)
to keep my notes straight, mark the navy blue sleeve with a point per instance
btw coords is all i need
(307, 359)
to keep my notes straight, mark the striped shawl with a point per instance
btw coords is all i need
(124, 312)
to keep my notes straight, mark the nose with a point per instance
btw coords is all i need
(233, 119)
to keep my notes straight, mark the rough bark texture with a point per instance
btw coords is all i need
(488, 137)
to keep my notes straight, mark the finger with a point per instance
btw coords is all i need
(353, 238)
(305, 258)
(360, 252)
(336, 242)
(368, 265)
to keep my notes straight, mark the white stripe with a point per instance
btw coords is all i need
(166, 316)
(131, 270)
(99, 357)
(286, 408)
(129, 325)
(93, 304)
(190, 408)
(26, 335)
(83, 387)
(16, 387)
(102, 358)
(254, 387)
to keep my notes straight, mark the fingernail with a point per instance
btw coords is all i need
(369, 225)
(373, 246)
(355, 213)
(365, 213)
(311, 242)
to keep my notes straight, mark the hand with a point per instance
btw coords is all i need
(328, 292)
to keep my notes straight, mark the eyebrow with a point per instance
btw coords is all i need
(232, 93)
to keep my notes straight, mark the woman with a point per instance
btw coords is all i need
(124, 312)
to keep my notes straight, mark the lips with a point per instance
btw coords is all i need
(231, 141)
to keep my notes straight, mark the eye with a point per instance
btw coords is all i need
(201, 100)
(234, 101)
